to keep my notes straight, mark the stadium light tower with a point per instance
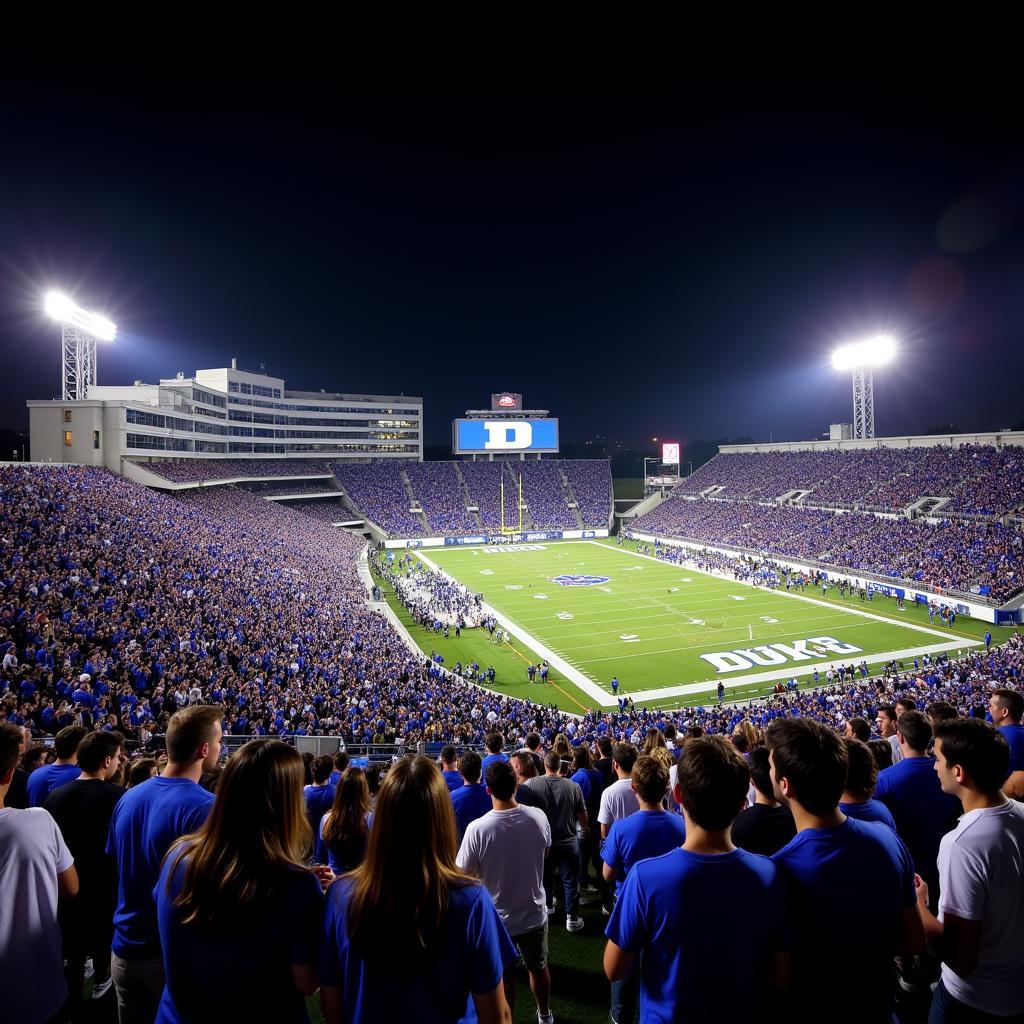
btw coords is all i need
(862, 357)
(79, 332)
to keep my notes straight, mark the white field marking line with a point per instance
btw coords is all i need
(804, 670)
(574, 675)
(808, 600)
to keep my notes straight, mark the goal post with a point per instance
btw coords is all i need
(513, 528)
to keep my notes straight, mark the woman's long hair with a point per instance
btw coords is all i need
(257, 831)
(345, 826)
(400, 892)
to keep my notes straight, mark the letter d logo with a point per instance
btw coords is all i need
(505, 435)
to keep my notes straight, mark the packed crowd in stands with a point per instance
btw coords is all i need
(978, 479)
(439, 490)
(274, 490)
(483, 482)
(203, 470)
(545, 495)
(322, 511)
(377, 490)
(956, 554)
(590, 480)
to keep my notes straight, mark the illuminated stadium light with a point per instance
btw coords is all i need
(862, 357)
(80, 330)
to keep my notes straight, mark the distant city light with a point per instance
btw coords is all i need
(874, 351)
(61, 308)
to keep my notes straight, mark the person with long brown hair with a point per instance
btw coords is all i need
(407, 935)
(237, 894)
(345, 827)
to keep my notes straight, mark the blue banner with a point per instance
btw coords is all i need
(501, 435)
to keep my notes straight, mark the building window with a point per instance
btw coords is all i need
(96, 440)
(67, 438)
(67, 415)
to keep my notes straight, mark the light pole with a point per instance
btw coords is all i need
(79, 332)
(862, 357)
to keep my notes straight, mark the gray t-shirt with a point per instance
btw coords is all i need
(563, 802)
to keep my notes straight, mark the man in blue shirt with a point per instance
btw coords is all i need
(319, 798)
(834, 863)
(650, 832)
(913, 794)
(1007, 710)
(494, 743)
(43, 781)
(145, 824)
(450, 774)
(679, 911)
(470, 800)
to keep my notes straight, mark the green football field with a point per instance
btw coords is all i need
(669, 634)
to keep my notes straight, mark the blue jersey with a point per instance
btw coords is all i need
(639, 836)
(452, 779)
(1014, 736)
(43, 781)
(471, 801)
(870, 810)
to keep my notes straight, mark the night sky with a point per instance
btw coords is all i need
(659, 256)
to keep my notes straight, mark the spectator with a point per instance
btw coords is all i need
(684, 973)
(146, 822)
(922, 811)
(885, 722)
(408, 904)
(506, 850)
(979, 931)
(450, 774)
(142, 770)
(650, 832)
(564, 806)
(619, 799)
(35, 865)
(832, 862)
(17, 795)
(857, 728)
(881, 751)
(603, 761)
(318, 798)
(1007, 709)
(591, 783)
(532, 743)
(83, 810)
(858, 800)
(44, 780)
(494, 743)
(345, 828)
(523, 765)
(766, 826)
(238, 894)
(470, 800)
(341, 763)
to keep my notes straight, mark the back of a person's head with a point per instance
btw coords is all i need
(915, 729)
(761, 772)
(693, 732)
(905, 704)
(941, 711)
(470, 766)
(341, 760)
(881, 751)
(654, 739)
(604, 744)
(813, 760)
(713, 779)
(10, 748)
(650, 778)
(256, 829)
(561, 745)
(141, 771)
(552, 761)
(501, 780)
(581, 757)
(495, 742)
(978, 748)
(625, 755)
(322, 768)
(861, 770)
(347, 816)
(525, 764)
(448, 754)
(860, 729)
(96, 748)
(68, 740)
(400, 892)
(532, 741)
(739, 741)
(190, 728)
(1011, 701)
(670, 732)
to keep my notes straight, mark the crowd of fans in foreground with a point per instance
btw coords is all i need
(737, 865)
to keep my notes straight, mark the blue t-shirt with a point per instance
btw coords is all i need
(253, 953)
(870, 810)
(319, 799)
(680, 910)
(1015, 737)
(590, 781)
(490, 759)
(473, 954)
(829, 871)
(146, 821)
(470, 801)
(43, 781)
(641, 835)
(923, 813)
(452, 779)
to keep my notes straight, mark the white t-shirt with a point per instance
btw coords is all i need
(505, 849)
(32, 854)
(981, 863)
(618, 801)
(897, 752)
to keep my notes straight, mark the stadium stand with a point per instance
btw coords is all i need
(439, 491)
(207, 470)
(377, 490)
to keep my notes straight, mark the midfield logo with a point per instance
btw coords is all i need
(779, 654)
(576, 580)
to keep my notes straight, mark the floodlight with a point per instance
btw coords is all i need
(870, 352)
(61, 308)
